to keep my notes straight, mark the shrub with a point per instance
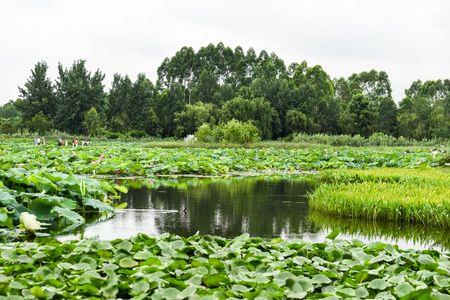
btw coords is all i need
(240, 132)
(205, 134)
(376, 139)
(232, 132)
(137, 134)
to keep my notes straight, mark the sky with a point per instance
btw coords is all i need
(408, 39)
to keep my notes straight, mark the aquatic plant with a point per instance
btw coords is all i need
(126, 159)
(36, 199)
(421, 195)
(206, 267)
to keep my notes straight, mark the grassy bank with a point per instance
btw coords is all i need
(205, 267)
(405, 195)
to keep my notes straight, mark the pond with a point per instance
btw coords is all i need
(266, 207)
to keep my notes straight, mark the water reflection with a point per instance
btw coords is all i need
(265, 207)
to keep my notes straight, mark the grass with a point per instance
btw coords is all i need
(393, 232)
(405, 195)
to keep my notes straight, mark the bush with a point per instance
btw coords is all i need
(137, 134)
(205, 134)
(232, 132)
(240, 132)
(376, 139)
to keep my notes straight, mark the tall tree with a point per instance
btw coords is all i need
(167, 103)
(376, 87)
(314, 96)
(37, 94)
(118, 101)
(91, 122)
(258, 110)
(138, 107)
(192, 117)
(77, 90)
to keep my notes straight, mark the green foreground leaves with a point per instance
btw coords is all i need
(35, 199)
(205, 267)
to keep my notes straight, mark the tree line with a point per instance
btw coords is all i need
(217, 84)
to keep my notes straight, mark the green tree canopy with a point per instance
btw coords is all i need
(37, 94)
(77, 90)
(190, 119)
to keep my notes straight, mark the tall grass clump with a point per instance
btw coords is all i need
(376, 139)
(420, 196)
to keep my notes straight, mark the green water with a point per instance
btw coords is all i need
(265, 207)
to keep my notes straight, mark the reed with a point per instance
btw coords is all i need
(401, 195)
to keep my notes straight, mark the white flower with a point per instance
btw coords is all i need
(190, 138)
(29, 221)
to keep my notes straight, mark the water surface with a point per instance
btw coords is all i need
(265, 207)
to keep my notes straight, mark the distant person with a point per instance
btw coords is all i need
(44, 142)
(38, 141)
(75, 142)
(35, 141)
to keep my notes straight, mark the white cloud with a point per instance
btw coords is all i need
(408, 39)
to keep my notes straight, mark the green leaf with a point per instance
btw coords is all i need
(321, 279)
(334, 234)
(215, 280)
(142, 255)
(5, 219)
(418, 294)
(97, 204)
(71, 216)
(121, 188)
(127, 262)
(38, 292)
(139, 287)
(122, 205)
(403, 289)
(125, 245)
(169, 293)
(378, 284)
(43, 206)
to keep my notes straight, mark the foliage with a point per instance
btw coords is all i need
(425, 111)
(407, 195)
(127, 158)
(207, 134)
(40, 123)
(233, 131)
(171, 267)
(56, 199)
(10, 126)
(91, 122)
(77, 90)
(376, 139)
(38, 94)
(240, 132)
(190, 119)
(277, 98)
(258, 111)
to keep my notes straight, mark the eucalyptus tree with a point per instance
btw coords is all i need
(37, 94)
(77, 90)
(376, 87)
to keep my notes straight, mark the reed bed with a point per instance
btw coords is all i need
(401, 195)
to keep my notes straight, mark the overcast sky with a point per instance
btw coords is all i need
(408, 39)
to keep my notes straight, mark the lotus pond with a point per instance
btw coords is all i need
(73, 227)
(267, 207)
